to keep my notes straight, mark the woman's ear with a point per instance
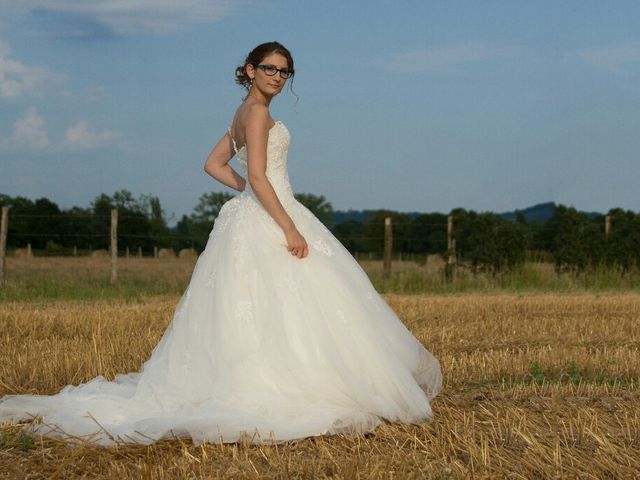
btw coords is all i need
(251, 72)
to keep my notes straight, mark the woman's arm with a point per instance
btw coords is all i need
(217, 164)
(256, 138)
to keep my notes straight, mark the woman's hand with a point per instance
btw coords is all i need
(296, 244)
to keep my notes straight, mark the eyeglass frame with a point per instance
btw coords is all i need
(264, 66)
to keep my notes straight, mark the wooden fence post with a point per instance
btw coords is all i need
(388, 244)
(451, 242)
(449, 268)
(4, 227)
(155, 252)
(114, 246)
(139, 251)
(607, 225)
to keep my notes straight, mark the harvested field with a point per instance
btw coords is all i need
(536, 386)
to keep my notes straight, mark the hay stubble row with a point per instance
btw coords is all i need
(536, 386)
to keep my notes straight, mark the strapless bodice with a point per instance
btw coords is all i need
(276, 171)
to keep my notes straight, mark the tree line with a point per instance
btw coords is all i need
(484, 241)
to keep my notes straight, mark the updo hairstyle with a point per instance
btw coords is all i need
(257, 55)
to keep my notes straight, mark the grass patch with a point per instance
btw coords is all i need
(573, 374)
(85, 278)
(11, 438)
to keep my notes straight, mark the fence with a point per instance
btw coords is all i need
(388, 238)
(112, 237)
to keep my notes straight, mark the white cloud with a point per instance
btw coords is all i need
(29, 131)
(17, 78)
(611, 59)
(445, 59)
(82, 137)
(29, 134)
(130, 17)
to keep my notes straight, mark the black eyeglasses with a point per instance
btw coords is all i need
(272, 69)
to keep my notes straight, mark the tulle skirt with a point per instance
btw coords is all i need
(262, 345)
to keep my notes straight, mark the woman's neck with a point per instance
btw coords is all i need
(258, 96)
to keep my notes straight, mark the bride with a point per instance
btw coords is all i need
(279, 335)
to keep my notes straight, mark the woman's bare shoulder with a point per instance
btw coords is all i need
(253, 112)
(256, 113)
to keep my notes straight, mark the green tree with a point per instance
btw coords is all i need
(513, 240)
(567, 228)
(489, 242)
(428, 234)
(208, 207)
(134, 225)
(623, 242)
(200, 223)
(19, 223)
(373, 230)
(483, 248)
(318, 205)
(351, 235)
(186, 236)
(462, 230)
(78, 226)
(157, 221)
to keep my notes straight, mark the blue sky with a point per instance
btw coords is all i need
(411, 106)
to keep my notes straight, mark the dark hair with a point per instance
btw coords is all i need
(257, 55)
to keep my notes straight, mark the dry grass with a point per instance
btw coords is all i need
(538, 386)
(88, 278)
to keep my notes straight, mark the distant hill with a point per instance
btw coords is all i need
(341, 216)
(540, 212)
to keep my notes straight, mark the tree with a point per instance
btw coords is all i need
(208, 207)
(462, 229)
(157, 222)
(185, 235)
(513, 239)
(78, 226)
(46, 227)
(199, 224)
(428, 233)
(318, 206)
(489, 242)
(134, 225)
(566, 228)
(373, 229)
(19, 225)
(350, 234)
(623, 243)
(483, 249)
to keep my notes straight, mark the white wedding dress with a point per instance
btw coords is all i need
(262, 345)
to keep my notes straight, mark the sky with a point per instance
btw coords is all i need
(405, 105)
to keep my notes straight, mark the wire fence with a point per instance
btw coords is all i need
(115, 235)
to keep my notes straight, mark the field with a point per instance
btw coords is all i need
(83, 278)
(538, 384)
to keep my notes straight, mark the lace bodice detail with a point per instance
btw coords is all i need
(276, 171)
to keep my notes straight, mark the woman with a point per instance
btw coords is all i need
(279, 335)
